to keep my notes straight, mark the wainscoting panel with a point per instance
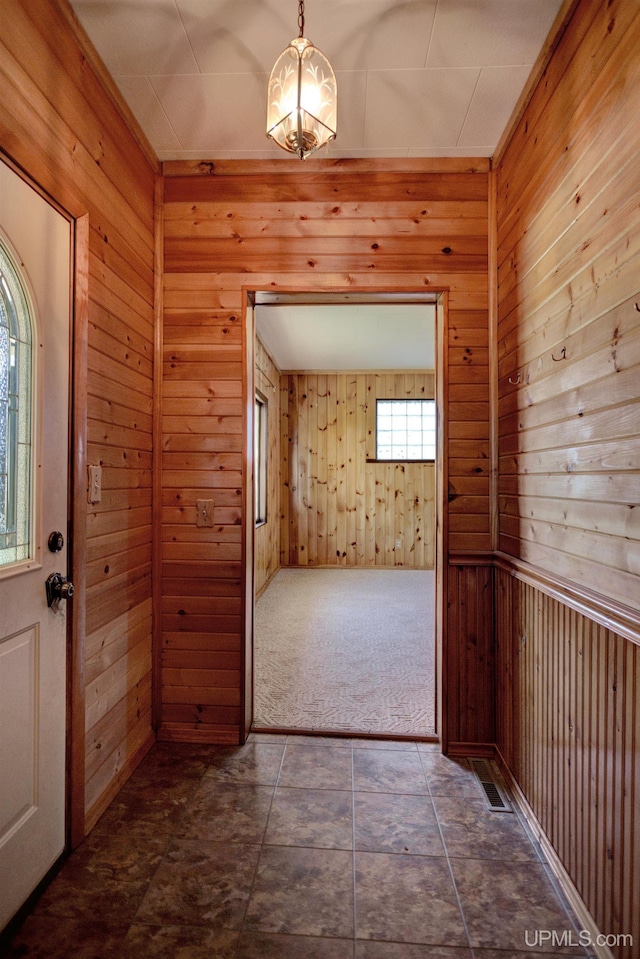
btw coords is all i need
(568, 728)
(468, 674)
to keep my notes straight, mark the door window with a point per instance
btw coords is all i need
(15, 414)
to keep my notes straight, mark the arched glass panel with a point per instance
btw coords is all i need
(15, 414)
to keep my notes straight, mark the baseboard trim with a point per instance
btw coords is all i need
(475, 750)
(343, 734)
(401, 568)
(267, 583)
(584, 918)
(206, 735)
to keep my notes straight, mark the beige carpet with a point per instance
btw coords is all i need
(346, 650)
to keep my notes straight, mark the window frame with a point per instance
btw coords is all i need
(17, 544)
(405, 459)
(261, 459)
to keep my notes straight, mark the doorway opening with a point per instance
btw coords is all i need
(343, 567)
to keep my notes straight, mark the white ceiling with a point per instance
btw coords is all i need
(349, 336)
(416, 78)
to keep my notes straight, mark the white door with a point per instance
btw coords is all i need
(35, 258)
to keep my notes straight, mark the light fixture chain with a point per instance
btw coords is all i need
(301, 17)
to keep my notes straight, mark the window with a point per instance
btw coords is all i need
(261, 454)
(15, 415)
(405, 429)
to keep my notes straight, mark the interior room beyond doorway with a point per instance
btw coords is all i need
(344, 540)
(346, 651)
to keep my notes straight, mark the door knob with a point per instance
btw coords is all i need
(58, 587)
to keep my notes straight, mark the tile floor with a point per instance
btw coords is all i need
(299, 848)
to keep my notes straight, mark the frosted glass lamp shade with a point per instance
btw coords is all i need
(302, 99)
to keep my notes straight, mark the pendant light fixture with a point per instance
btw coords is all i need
(302, 98)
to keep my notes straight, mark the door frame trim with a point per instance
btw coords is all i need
(76, 758)
(441, 296)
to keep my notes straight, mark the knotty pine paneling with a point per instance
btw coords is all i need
(60, 125)
(202, 567)
(568, 728)
(266, 543)
(343, 510)
(568, 343)
(327, 225)
(568, 257)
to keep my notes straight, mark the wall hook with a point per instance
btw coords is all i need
(637, 307)
(516, 381)
(563, 355)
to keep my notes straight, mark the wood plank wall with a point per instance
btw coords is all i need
(202, 568)
(267, 535)
(568, 255)
(568, 267)
(338, 508)
(58, 123)
(569, 729)
(331, 225)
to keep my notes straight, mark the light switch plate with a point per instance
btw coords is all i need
(94, 493)
(204, 514)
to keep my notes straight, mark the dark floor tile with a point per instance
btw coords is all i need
(407, 899)
(396, 823)
(215, 892)
(154, 799)
(471, 830)
(503, 903)
(316, 767)
(388, 771)
(108, 875)
(227, 812)
(170, 764)
(302, 739)
(257, 737)
(449, 777)
(259, 945)
(178, 942)
(400, 950)
(201, 883)
(527, 954)
(146, 811)
(304, 892)
(56, 937)
(256, 763)
(311, 817)
(396, 745)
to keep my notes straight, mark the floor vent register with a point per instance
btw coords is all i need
(491, 788)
